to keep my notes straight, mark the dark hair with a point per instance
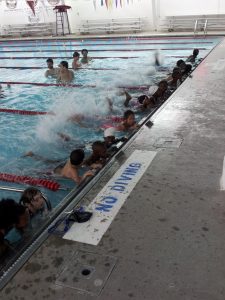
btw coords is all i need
(97, 144)
(188, 68)
(141, 98)
(49, 60)
(64, 64)
(128, 113)
(176, 70)
(76, 54)
(163, 82)
(28, 195)
(195, 52)
(76, 157)
(10, 211)
(180, 61)
(84, 50)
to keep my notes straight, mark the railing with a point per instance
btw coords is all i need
(111, 25)
(28, 29)
(205, 26)
(197, 23)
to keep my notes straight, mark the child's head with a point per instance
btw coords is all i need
(129, 117)
(163, 85)
(99, 149)
(176, 73)
(187, 69)
(64, 65)
(33, 199)
(76, 157)
(195, 52)
(84, 52)
(181, 64)
(142, 99)
(13, 214)
(49, 62)
(76, 54)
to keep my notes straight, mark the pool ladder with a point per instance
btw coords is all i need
(203, 27)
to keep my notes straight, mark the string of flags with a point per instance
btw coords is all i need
(112, 3)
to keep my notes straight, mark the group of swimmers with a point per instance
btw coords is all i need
(32, 202)
(62, 74)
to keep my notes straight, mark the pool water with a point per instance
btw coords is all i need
(22, 133)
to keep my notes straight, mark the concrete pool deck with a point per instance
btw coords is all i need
(168, 240)
(131, 35)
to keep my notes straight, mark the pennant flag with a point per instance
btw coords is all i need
(31, 4)
(110, 4)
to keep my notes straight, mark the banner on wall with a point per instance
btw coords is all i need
(11, 4)
(53, 2)
(110, 4)
(32, 4)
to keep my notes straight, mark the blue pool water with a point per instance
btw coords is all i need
(21, 133)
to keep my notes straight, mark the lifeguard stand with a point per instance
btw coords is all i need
(62, 20)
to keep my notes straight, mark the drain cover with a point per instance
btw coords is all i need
(168, 142)
(87, 272)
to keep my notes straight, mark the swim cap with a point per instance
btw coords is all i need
(109, 132)
(152, 89)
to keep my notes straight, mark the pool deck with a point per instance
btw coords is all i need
(167, 242)
(129, 35)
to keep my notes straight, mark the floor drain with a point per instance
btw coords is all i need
(85, 272)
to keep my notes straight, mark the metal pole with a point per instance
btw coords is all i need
(154, 15)
(11, 189)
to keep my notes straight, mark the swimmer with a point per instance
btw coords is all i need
(182, 65)
(142, 102)
(64, 75)
(98, 157)
(51, 72)
(33, 199)
(162, 93)
(176, 78)
(75, 63)
(110, 139)
(85, 59)
(70, 168)
(187, 71)
(12, 215)
(193, 57)
(129, 122)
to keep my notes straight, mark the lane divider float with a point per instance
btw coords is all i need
(48, 184)
(129, 87)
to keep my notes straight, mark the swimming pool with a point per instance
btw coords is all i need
(117, 62)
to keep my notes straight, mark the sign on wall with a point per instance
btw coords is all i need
(110, 4)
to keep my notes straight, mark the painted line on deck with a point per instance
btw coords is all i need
(222, 179)
(110, 199)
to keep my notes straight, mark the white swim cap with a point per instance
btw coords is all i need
(152, 89)
(109, 132)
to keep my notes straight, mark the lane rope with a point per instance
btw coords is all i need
(129, 87)
(100, 44)
(98, 50)
(49, 184)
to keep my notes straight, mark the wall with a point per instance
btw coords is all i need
(94, 10)
(18, 12)
(190, 7)
(97, 9)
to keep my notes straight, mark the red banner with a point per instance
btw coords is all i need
(32, 4)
